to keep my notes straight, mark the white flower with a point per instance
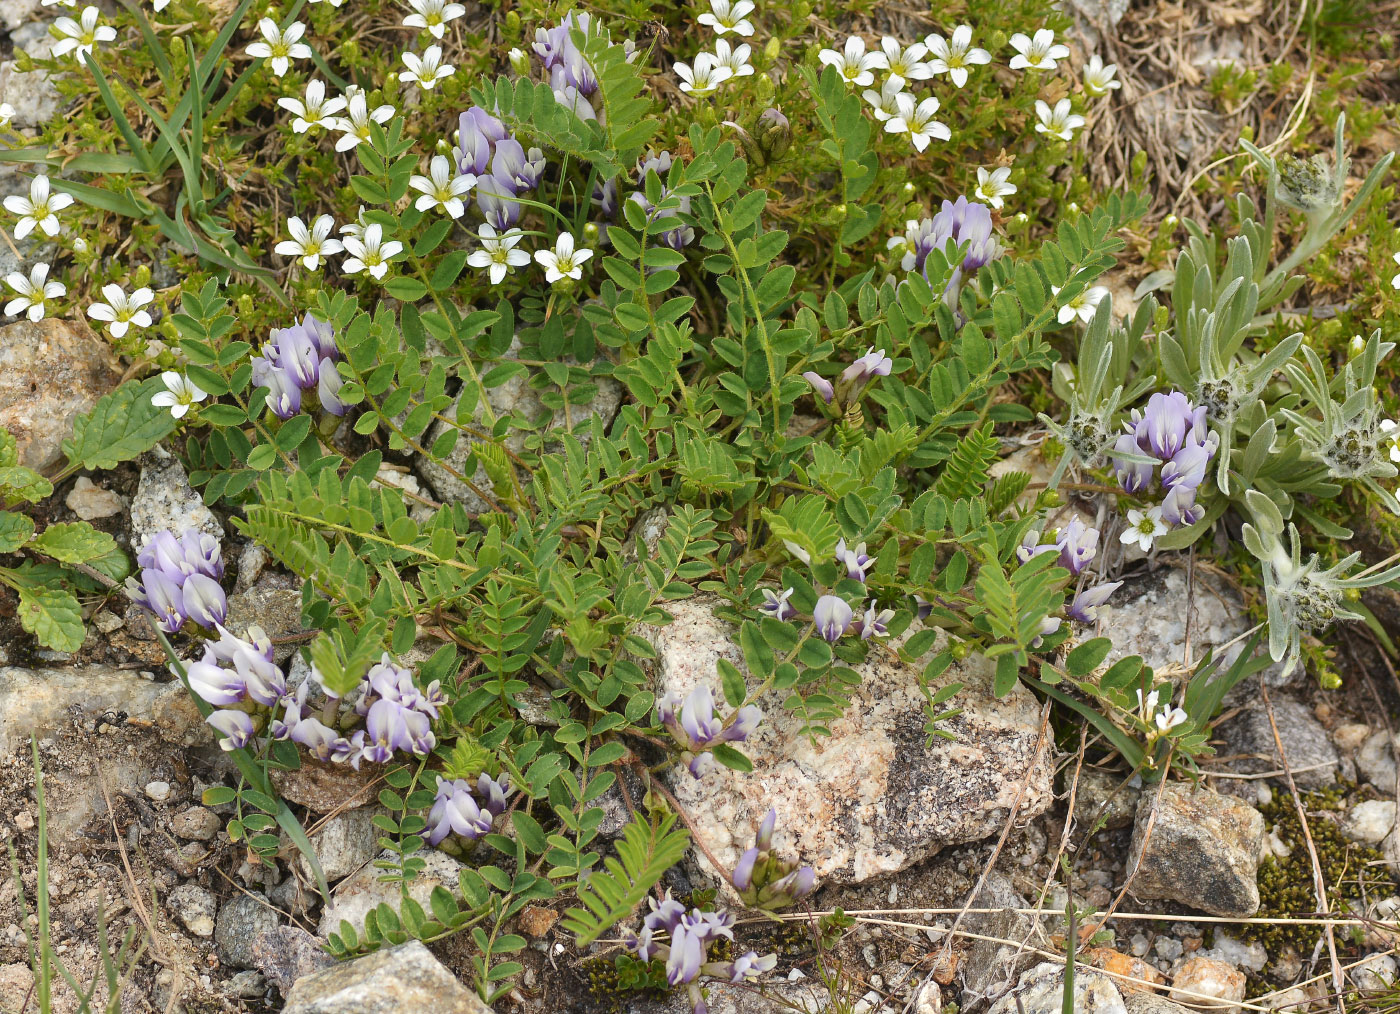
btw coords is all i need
(181, 393)
(442, 187)
(38, 209)
(1039, 53)
(563, 261)
(1147, 705)
(853, 63)
(369, 252)
(316, 111)
(355, 123)
(498, 255)
(993, 186)
(917, 121)
(905, 64)
(1143, 528)
(882, 103)
(426, 71)
(1061, 122)
(906, 245)
(357, 227)
(7, 113)
(1392, 434)
(310, 244)
(33, 291)
(79, 39)
(704, 77)
(1168, 719)
(953, 57)
(122, 311)
(281, 47)
(729, 16)
(1082, 305)
(736, 59)
(334, 3)
(1395, 282)
(1098, 77)
(66, 3)
(433, 15)
(158, 5)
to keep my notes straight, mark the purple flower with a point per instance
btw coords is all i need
(742, 877)
(857, 562)
(1085, 606)
(292, 710)
(1161, 429)
(283, 395)
(697, 718)
(455, 811)
(1188, 466)
(478, 131)
(202, 554)
(164, 553)
(832, 616)
(515, 170)
(576, 102)
(875, 622)
(777, 605)
(262, 679)
(820, 385)
(764, 838)
(162, 596)
(297, 355)
(328, 387)
(687, 953)
(493, 793)
(1179, 507)
(237, 727)
(665, 916)
(1031, 547)
(873, 364)
(1047, 627)
(204, 601)
(747, 966)
(1133, 476)
(1077, 543)
(746, 720)
(228, 648)
(214, 684)
(496, 202)
(604, 197)
(318, 738)
(701, 764)
(965, 221)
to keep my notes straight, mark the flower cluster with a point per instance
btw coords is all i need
(710, 70)
(687, 953)
(179, 580)
(866, 368)
(1076, 545)
(696, 728)
(833, 616)
(961, 221)
(297, 360)
(765, 881)
(465, 809)
(1168, 442)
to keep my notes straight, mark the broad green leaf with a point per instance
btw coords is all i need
(15, 530)
(74, 542)
(121, 426)
(53, 616)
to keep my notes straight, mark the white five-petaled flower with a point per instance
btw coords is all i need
(882, 103)
(905, 64)
(122, 312)
(1098, 76)
(1039, 53)
(280, 47)
(334, 3)
(917, 121)
(316, 111)
(38, 209)
(498, 256)
(369, 252)
(1143, 527)
(954, 56)
(78, 37)
(853, 63)
(65, 3)
(442, 187)
(993, 186)
(7, 113)
(1061, 122)
(1082, 305)
(32, 291)
(563, 261)
(1392, 434)
(1395, 282)
(310, 244)
(355, 123)
(729, 16)
(702, 79)
(736, 58)
(433, 15)
(181, 392)
(427, 70)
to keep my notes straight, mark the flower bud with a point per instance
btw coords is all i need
(512, 26)
(519, 62)
(772, 49)
(590, 233)
(773, 134)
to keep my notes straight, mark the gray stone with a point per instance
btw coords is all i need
(195, 907)
(285, 954)
(252, 561)
(248, 984)
(873, 797)
(1101, 13)
(515, 397)
(165, 502)
(1368, 822)
(1252, 957)
(363, 891)
(276, 609)
(1151, 1003)
(50, 371)
(40, 701)
(14, 13)
(196, 824)
(992, 966)
(390, 981)
(33, 94)
(1200, 977)
(1041, 991)
(777, 997)
(1309, 751)
(1375, 759)
(346, 842)
(1104, 792)
(241, 919)
(1203, 850)
(91, 502)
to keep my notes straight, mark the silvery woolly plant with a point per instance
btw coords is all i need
(1263, 431)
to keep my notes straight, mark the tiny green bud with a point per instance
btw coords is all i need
(773, 134)
(772, 49)
(519, 62)
(590, 233)
(245, 305)
(1139, 166)
(511, 29)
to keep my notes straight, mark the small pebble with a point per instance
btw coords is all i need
(1168, 947)
(91, 502)
(195, 907)
(24, 821)
(1139, 945)
(158, 792)
(196, 823)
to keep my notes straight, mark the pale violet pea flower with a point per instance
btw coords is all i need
(79, 37)
(180, 393)
(355, 123)
(853, 63)
(1085, 606)
(856, 561)
(237, 727)
(736, 58)
(993, 186)
(954, 56)
(38, 209)
(1099, 77)
(442, 188)
(883, 103)
(280, 47)
(310, 245)
(1082, 305)
(729, 16)
(797, 551)
(370, 252)
(832, 616)
(820, 385)
(427, 70)
(433, 15)
(564, 261)
(702, 79)
(1061, 122)
(33, 292)
(1039, 53)
(917, 121)
(121, 311)
(216, 685)
(875, 622)
(776, 604)
(498, 255)
(907, 64)
(316, 110)
(1143, 528)
(873, 364)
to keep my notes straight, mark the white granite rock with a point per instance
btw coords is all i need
(1369, 821)
(165, 501)
(363, 891)
(1041, 991)
(395, 980)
